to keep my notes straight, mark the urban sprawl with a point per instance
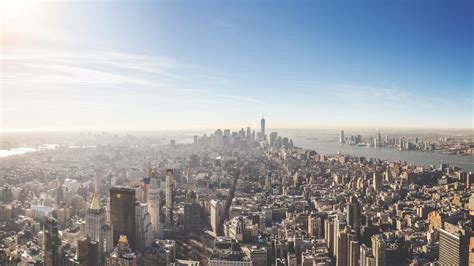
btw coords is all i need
(231, 199)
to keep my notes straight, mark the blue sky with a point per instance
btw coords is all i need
(205, 64)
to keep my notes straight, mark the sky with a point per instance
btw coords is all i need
(165, 65)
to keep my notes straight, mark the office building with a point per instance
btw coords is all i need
(215, 214)
(122, 214)
(51, 242)
(353, 214)
(169, 196)
(87, 252)
(192, 214)
(154, 203)
(97, 227)
(453, 245)
(346, 247)
(377, 182)
(378, 250)
(144, 230)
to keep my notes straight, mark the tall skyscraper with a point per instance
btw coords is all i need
(366, 257)
(268, 182)
(96, 222)
(354, 251)
(341, 137)
(262, 127)
(192, 213)
(215, 212)
(154, 206)
(353, 214)
(453, 246)
(122, 213)
(51, 242)
(348, 248)
(144, 231)
(377, 182)
(59, 193)
(169, 196)
(378, 250)
(339, 226)
(329, 234)
(87, 252)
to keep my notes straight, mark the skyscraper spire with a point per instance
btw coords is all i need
(95, 203)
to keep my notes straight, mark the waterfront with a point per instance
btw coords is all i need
(327, 143)
(16, 151)
(322, 141)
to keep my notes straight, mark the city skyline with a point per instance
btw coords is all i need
(236, 133)
(162, 66)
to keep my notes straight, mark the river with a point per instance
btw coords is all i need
(328, 143)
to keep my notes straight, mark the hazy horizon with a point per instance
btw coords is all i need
(253, 127)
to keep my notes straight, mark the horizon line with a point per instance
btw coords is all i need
(206, 129)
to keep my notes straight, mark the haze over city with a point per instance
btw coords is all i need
(157, 65)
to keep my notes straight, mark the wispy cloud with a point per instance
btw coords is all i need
(239, 99)
(43, 84)
(390, 96)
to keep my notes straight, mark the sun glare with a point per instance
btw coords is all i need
(13, 10)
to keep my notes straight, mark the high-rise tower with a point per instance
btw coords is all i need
(262, 127)
(453, 246)
(122, 213)
(96, 222)
(51, 242)
(341, 137)
(169, 196)
(153, 201)
(378, 250)
(377, 182)
(353, 214)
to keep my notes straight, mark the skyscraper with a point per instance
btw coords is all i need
(377, 182)
(329, 234)
(366, 257)
(122, 214)
(86, 252)
(353, 214)
(169, 196)
(153, 201)
(51, 242)
(354, 251)
(348, 248)
(339, 226)
(341, 137)
(192, 214)
(144, 231)
(378, 250)
(453, 246)
(215, 212)
(262, 128)
(96, 221)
